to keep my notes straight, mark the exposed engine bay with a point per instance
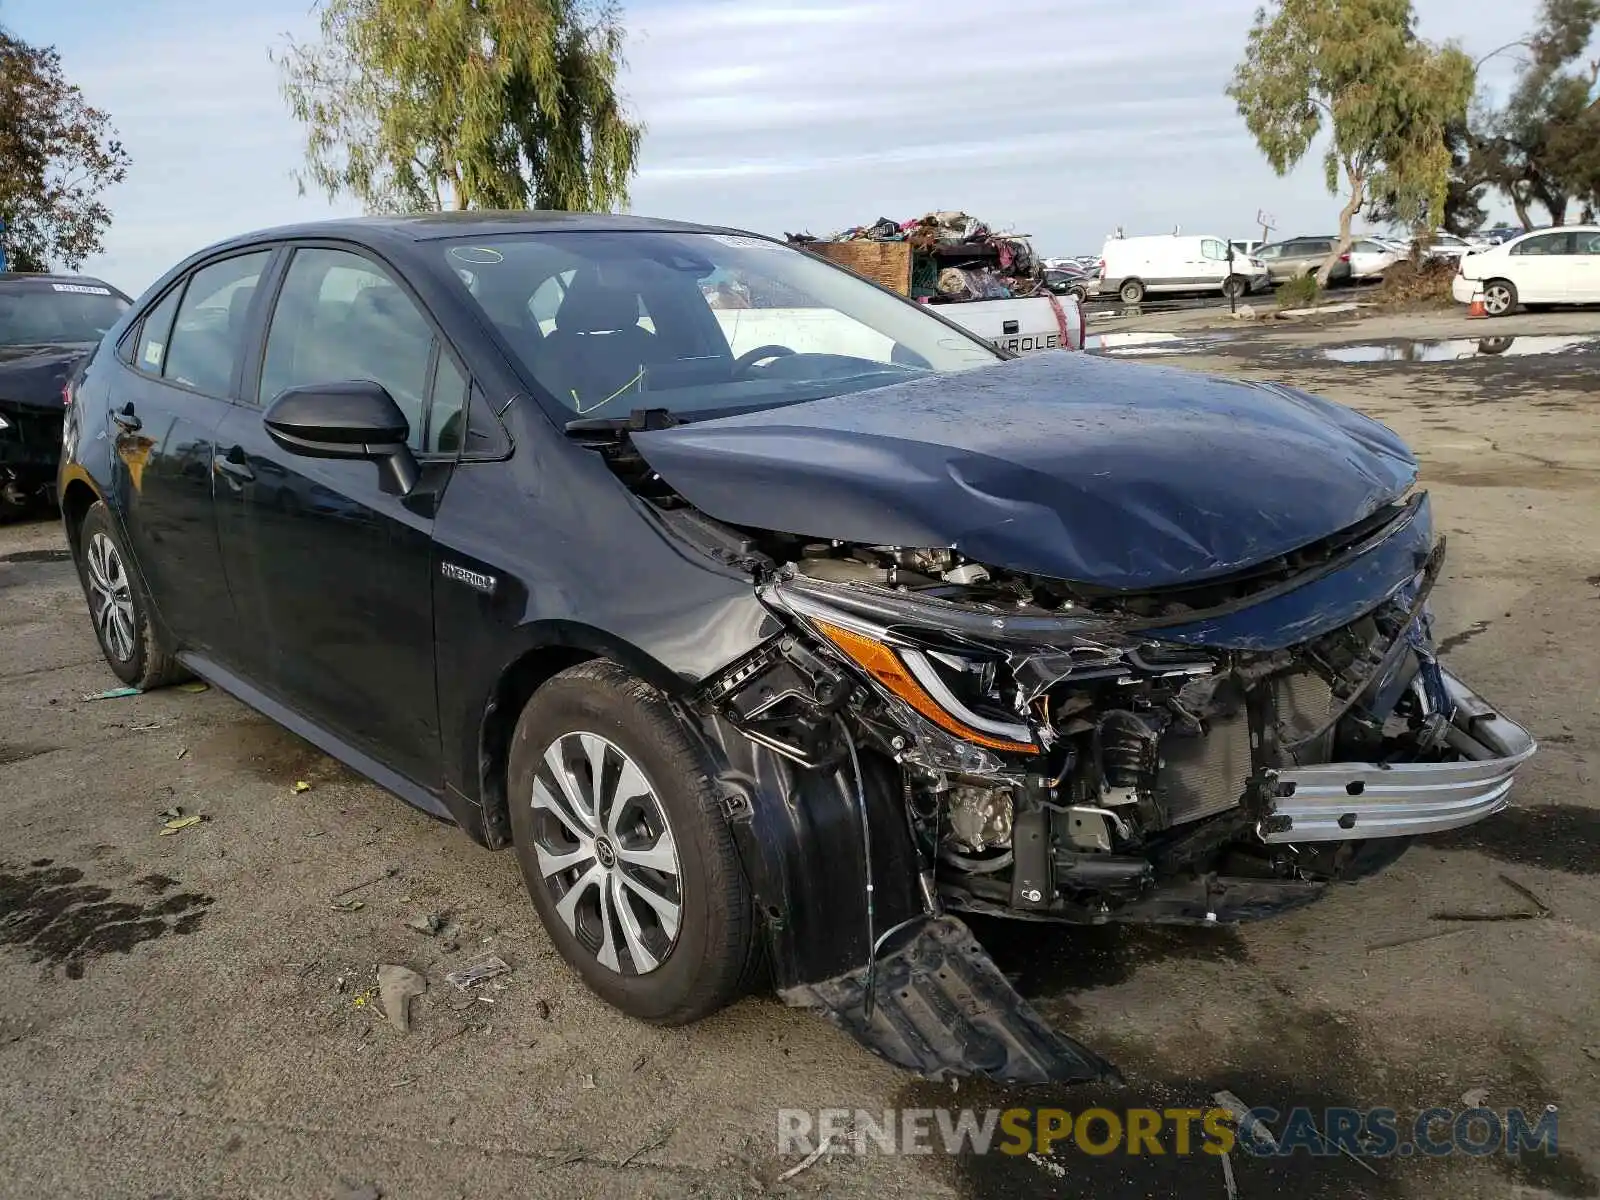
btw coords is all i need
(1066, 781)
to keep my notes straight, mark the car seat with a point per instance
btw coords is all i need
(597, 350)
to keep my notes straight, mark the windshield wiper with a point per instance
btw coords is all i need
(637, 421)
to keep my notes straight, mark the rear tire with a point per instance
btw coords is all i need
(1131, 291)
(1499, 297)
(637, 881)
(137, 651)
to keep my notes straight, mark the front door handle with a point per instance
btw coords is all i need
(127, 419)
(235, 464)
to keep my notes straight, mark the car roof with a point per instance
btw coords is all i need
(40, 277)
(434, 226)
(1544, 229)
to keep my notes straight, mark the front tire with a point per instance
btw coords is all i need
(135, 648)
(624, 850)
(1234, 287)
(1499, 297)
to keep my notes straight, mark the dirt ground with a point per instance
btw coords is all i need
(190, 1015)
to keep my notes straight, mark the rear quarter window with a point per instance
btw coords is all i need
(150, 350)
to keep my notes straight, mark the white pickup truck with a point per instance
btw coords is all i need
(1046, 322)
(1019, 326)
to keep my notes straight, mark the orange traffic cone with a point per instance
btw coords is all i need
(1476, 308)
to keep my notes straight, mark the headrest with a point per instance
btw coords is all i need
(379, 301)
(592, 307)
(239, 307)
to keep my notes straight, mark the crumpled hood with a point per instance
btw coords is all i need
(1064, 465)
(34, 375)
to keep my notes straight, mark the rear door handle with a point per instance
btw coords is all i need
(235, 464)
(127, 419)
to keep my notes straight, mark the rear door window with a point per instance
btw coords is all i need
(1545, 244)
(208, 334)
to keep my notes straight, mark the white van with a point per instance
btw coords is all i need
(1135, 266)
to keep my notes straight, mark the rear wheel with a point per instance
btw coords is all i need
(1499, 297)
(136, 650)
(1132, 291)
(624, 849)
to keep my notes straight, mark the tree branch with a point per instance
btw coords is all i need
(1523, 43)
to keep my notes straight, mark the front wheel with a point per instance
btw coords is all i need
(624, 849)
(1235, 286)
(1499, 297)
(136, 650)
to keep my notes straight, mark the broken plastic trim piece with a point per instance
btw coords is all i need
(942, 1008)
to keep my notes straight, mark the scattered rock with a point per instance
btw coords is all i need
(396, 986)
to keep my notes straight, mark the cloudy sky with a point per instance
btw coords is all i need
(1057, 118)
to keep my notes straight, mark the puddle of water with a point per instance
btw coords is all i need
(1456, 349)
(1135, 342)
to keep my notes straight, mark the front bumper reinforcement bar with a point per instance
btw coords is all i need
(1334, 802)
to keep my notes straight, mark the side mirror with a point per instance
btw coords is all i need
(352, 419)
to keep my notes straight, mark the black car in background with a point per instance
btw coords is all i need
(1071, 281)
(772, 638)
(48, 324)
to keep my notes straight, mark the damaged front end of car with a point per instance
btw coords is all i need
(955, 737)
(1037, 657)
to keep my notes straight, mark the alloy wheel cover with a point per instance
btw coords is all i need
(606, 853)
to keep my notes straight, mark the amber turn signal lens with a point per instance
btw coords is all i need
(885, 666)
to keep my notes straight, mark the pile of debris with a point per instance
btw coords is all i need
(953, 256)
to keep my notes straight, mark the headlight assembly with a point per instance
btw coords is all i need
(910, 674)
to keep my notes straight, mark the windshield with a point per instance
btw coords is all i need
(42, 314)
(696, 323)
